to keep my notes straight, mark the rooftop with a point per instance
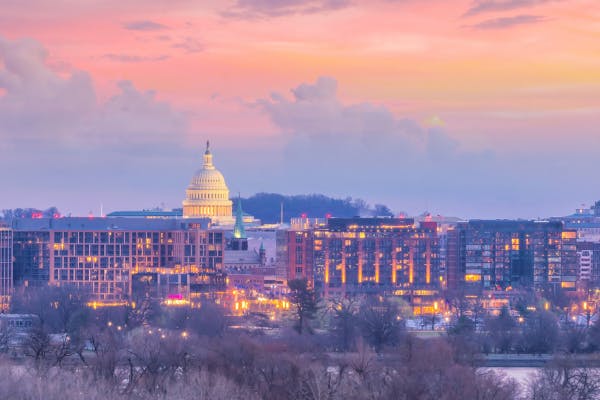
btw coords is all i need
(108, 224)
(147, 214)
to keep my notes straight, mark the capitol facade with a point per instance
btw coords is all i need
(207, 195)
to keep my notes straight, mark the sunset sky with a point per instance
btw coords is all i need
(474, 108)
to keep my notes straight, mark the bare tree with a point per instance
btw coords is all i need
(502, 331)
(305, 302)
(540, 333)
(59, 309)
(380, 323)
(562, 380)
(344, 323)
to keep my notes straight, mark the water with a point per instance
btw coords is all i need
(520, 374)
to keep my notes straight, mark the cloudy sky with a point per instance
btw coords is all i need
(471, 108)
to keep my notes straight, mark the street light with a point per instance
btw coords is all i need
(588, 313)
(435, 309)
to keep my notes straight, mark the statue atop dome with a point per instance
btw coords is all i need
(208, 163)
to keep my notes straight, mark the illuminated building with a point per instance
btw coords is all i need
(444, 224)
(295, 248)
(117, 258)
(496, 255)
(6, 267)
(374, 255)
(207, 196)
(299, 255)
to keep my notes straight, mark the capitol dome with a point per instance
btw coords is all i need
(207, 196)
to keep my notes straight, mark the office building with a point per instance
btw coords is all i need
(502, 254)
(370, 255)
(115, 259)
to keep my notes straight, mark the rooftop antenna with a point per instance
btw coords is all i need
(101, 210)
(281, 214)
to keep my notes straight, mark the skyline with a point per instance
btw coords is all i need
(461, 108)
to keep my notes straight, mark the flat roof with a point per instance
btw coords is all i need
(146, 213)
(107, 224)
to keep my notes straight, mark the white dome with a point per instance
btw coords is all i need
(208, 179)
(208, 194)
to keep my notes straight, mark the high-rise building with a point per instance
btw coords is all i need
(113, 258)
(6, 267)
(489, 255)
(207, 196)
(375, 255)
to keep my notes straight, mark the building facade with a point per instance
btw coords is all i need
(114, 259)
(299, 255)
(6, 267)
(589, 263)
(370, 255)
(496, 255)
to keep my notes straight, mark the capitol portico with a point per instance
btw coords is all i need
(207, 196)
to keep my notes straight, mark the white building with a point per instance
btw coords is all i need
(207, 195)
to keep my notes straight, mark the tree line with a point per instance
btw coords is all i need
(348, 348)
(267, 207)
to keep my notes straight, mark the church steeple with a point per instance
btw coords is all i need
(238, 230)
(262, 254)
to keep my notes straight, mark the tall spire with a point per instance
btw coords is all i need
(238, 230)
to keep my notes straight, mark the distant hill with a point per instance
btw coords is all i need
(267, 206)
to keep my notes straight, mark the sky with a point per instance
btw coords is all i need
(467, 108)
